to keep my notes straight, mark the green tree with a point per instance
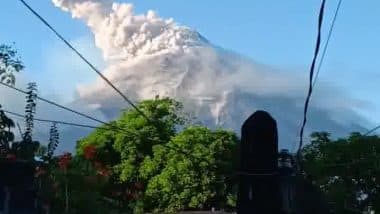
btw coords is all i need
(26, 148)
(148, 154)
(126, 142)
(6, 135)
(53, 141)
(132, 136)
(347, 170)
(9, 63)
(178, 181)
(71, 185)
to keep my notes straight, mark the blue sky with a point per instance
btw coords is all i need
(277, 33)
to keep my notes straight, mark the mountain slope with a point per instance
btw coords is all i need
(147, 55)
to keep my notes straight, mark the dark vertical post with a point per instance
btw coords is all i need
(258, 179)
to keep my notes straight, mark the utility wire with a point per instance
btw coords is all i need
(105, 128)
(78, 113)
(372, 130)
(56, 104)
(64, 107)
(311, 75)
(52, 121)
(83, 58)
(327, 42)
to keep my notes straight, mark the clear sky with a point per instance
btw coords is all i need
(278, 33)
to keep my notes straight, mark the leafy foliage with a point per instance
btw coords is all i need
(30, 110)
(135, 135)
(53, 141)
(26, 148)
(141, 135)
(347, 170)
(180, 182)
(70, 184)
(9, 63)
(158, 167)
(6, 135)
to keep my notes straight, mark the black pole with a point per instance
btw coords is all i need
(258, 179)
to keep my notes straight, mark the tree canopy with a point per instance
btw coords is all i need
(347, 170)
(9, 63)
(179, 181)
(175, 166)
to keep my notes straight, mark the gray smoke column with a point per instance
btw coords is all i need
(147, 55)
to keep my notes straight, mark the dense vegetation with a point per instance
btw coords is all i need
(164, 165)
(347, 170)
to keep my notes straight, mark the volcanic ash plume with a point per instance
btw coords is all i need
(147, 55)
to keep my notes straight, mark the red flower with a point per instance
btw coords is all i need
(11, 157)
(89, 152)
(64, 161)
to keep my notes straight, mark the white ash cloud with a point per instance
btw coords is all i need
(121, 35)
(147, 55)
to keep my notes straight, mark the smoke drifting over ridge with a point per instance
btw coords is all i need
(147, 56)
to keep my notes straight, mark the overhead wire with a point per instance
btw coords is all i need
(313, 81)
(51, 121)
(311, 75)
(56, 104)
(105, 128)
(92, 66)
(64, 107)
(372, 130)
(76, 112)
(327, 42)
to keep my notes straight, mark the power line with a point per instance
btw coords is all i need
(70, 123)
(312, 67)
(64, 107)
(372, 130)
(112, 127)
(322, 57)
(78, 113)
(68, 109)
(56, 104)
(83, 58)
(95, 127)
(327, 42)
(52, 121)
